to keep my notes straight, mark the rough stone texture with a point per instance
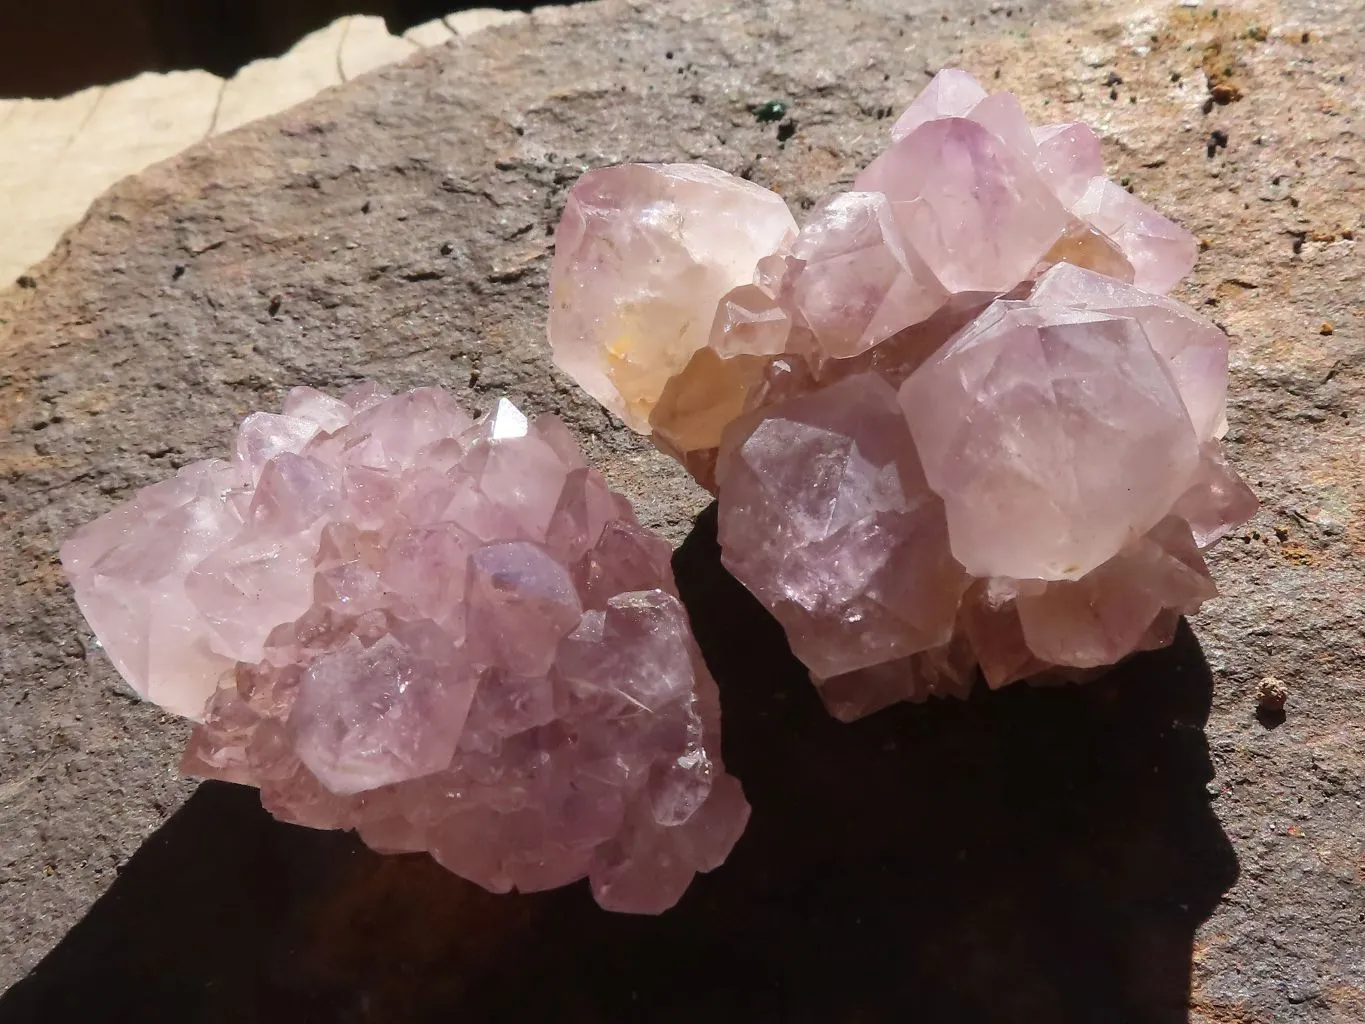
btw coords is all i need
(57, 155)
(1142, 849)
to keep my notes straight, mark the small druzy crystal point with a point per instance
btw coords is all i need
(448, 635)
(953, 423)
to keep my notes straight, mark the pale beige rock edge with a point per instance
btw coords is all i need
(57, 155)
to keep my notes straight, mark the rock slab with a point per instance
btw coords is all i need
(1147, 848)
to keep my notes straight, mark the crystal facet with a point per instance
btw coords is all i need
(450, 636)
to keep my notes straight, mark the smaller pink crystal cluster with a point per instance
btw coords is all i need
(952, 421)
(448, 635)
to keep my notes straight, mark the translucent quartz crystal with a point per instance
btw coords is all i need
(828, 519)
(1054, 436)
(857, 284)
(640, 250)
(448, 635)
(953, 423)
(952, 183)
(1194, 351)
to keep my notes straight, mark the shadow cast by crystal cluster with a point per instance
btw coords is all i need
(953, 421)
(448, 635)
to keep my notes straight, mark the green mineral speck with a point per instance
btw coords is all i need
(773, 110)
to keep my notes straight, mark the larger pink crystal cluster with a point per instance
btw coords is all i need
(448, 635)
(952, 421)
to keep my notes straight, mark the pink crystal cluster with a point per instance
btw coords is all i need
(448, 635)
(952, 420)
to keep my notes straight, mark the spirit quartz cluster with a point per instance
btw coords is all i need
(952, 421)
(448, 635)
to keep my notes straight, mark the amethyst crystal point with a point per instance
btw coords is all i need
(448, 635)
(952, 422)
(634, 265)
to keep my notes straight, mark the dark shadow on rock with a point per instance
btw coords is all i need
(1026, 856)
(1271, 717)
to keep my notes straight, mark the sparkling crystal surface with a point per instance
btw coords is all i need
(448, 635)
(953, 422)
